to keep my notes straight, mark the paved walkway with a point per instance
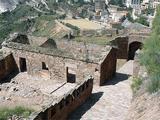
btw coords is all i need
(109, 102)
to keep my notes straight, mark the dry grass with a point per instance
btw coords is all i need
(102, 40)
(84, 24)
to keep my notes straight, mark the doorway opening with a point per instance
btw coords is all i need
(23, 66)
(44, 66)
(71, 76)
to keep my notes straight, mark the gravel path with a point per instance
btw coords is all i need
(109, 102)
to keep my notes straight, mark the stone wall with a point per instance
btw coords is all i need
(7, 66)
(67, 104)
(122, 45)
(56, 65)
(108, 66)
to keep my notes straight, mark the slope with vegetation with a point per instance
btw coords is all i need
(146, 88)
(150, 57)
(38, 17)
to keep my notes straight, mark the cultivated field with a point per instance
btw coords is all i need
(84, 24)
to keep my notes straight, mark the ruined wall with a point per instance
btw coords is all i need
(122, 45)
(43, 63)
(56, 65)
(108, 66)
(7, 66)
(66, 105)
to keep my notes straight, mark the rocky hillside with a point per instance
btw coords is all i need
(40, 5)
(35, 16)
(9, 4)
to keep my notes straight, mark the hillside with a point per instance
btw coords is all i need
(35, 17)
(9, 4)
(146, 86)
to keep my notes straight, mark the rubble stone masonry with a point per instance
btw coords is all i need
(59, 110)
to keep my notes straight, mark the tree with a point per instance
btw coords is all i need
(156, 22)
(142, 20)
(151, 55)
(117, 2)
(129, 17)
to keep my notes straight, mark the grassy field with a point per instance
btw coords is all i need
(102, 40)
(84, 24)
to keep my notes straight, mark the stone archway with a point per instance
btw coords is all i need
(133, 47)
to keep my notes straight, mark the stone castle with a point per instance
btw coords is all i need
(60, 73)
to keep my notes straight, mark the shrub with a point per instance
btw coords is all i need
(73, 27)
(151, 55)
(5, 113)
(142, 20)
(136, 83)
(154, 84)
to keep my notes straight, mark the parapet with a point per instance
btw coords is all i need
(67, 103)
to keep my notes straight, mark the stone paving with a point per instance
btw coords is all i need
(111, 101)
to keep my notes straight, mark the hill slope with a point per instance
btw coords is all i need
(9, 4)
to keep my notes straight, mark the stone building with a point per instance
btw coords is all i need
(52, 77)
(61, 60)
(100, 5)
(43, 88)
(132, 3)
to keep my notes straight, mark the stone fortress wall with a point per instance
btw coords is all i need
(128, 45)
(58, 66)
(66, 104)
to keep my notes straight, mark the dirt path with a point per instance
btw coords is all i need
(109, 102)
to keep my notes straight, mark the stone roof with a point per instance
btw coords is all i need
(50, 43)
(66, 49)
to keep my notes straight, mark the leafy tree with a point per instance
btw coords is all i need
(142, 20)
(117, 2)
(129, 17)
(148, 11)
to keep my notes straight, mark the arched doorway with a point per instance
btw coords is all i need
(133, 47)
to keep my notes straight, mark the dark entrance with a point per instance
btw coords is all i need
(71, 77)
(133, 47)
(23, 66)
(44, 66)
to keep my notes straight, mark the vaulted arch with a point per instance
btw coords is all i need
(133, 47)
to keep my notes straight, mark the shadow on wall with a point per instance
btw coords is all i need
(118, 78)
(133, 47)
(8, 69)
(77, 114)
(9, 77)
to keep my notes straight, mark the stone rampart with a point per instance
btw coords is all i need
(61, 108)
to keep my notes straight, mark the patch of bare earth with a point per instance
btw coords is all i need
(145, 107)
